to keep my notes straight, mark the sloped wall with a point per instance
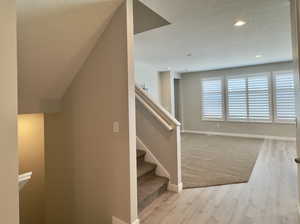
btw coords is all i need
(54, 40)
(8, 114)
(90, 170)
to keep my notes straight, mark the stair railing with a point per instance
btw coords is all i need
(159, 113)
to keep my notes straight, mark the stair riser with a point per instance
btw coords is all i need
(147, 201)
(140, 160)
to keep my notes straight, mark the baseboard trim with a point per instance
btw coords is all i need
(160, 170)
(115, 220)
(175, 188)
(136, 221)
(239, 135)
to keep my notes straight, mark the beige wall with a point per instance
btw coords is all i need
(91, 171)
(191, 109)
(31, 159)
(8, 114)
(49, 56)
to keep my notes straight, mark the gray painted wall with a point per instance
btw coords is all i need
(190, 85)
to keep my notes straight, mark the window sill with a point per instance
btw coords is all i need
(250, 122)
(207, 119)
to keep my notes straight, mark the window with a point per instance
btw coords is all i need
(259, 98)
(212, 99)
(248, 98)
(284, 97)
(237, 98)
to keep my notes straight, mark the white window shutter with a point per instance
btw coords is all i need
(285, 99)
(259, 100)
(237, 98)
(212, 101)
(248, 98)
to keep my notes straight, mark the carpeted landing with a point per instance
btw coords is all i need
(217, 160)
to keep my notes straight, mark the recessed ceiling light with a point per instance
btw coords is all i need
(259, 56)
(240, 23)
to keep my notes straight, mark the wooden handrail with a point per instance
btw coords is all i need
(156, 110)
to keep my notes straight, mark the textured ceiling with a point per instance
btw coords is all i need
(54, 39)
(203, 29)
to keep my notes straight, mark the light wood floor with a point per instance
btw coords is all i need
(269, 198)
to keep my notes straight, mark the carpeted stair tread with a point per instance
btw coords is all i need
(145, 168)
(151, 189)
(150, 186)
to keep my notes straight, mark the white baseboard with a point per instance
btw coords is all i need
(175, 188)
(115, 220)
(239, 135)
(160, 170)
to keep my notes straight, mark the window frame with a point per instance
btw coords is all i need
(221, 78)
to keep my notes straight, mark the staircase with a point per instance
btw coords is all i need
(150, 186)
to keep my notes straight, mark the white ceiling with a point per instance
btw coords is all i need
(54, 39)
(204, 28)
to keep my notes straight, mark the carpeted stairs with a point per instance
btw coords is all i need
(150, 186)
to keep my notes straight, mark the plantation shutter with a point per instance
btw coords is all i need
(248, 98)
(237, 98)
(212, 101)
(284, 88)
(259, 103)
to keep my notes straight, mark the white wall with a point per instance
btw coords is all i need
(190, 85)
(148, 75)
(9, 208)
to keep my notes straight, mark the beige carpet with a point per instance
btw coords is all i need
(217, 160)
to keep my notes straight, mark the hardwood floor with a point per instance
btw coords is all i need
(270, 197)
